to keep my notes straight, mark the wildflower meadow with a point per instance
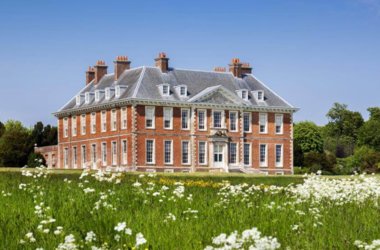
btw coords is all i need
(40, 209)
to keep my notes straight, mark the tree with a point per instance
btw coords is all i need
(37, 133)
(36, 160)
(365, 159)
(2, 129)
(342, 130)
(320, 161)
(15, 145)
(44, 135)
(307, 135)
(369, 133)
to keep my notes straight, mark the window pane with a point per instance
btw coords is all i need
(202, 152)
(247, 122)
(168, 151)
(247, 150)
(233, 121)
(185, 152)
(263, 153)
(233, 153)
(149, 151)
(185, 119)
(217, 119)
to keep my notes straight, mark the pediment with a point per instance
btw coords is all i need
(218, 95)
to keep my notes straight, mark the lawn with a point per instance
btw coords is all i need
(185, 211)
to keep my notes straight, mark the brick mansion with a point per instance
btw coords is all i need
(164, 119)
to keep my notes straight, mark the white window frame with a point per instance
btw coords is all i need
(222, 119)
(250, 122)
(261, 115)
(250, 154)
(65, 127)
(204, 111)
(103, 150)
(97, 95)
(123, 120)
(205, 153)
(117, 92)
(94, 154)
(188, 152)
(281, 162)
(103, 120)
(281, 124)
(152, 111)
(74, 125)
(165, 89)
(237, 153)
(114, 153)
(78, 100)
(171, 152)
(93, 123)
(236, 121)
(153, 151)
(260, 96)
(83, 125)
(83, 155)
(168, 111)
(182, 87)
(87, 97)
(188, 119)
(75, 157)
(263, 163)
(113, 119)
(124, 152)
(66, 157)
(108, 93)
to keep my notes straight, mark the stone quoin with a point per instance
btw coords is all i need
(175, 120)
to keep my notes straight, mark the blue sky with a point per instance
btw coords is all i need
(313, 53)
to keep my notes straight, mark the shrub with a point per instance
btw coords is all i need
(36, 160)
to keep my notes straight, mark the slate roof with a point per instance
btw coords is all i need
(142, 83)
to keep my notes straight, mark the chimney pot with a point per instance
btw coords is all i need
(121, 64)
(220, 69)
(236, 67)
(246, 68)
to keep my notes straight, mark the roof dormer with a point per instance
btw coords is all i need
(78, 100)
(108, 93)
(88, 97)
(243, 94)
(181, 90)
(119, 90)
(164, 89)
(98, 95)
(259, 95)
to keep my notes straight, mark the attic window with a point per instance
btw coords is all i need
(108, 93)
(87, 97)
(183, 91)
(260, 95)
(117, 91)
(97, 95)
(165, 90)
(243, 94)
(78, 100)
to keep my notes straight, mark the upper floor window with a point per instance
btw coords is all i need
(233, 121)
(168, 118)
(83, 124)
(218, 118)
(113, 120)
(149, 117)
(103, 118)
(123, 118)
(247, 122)
(243, 94)
(202, 119)
(164, 89)
(279, 123)
(185, 119)
(93, 123)
(263, 122)
(74, 125)
(183, 91)
(259, 95)
(65, 127)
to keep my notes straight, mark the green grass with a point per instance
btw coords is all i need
(71, 207)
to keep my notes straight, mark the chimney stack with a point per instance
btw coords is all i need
(162, 62)
(90, 74)
(235, 67)
(121, 64)
(246, 69)
(100, 70)
(220, 69)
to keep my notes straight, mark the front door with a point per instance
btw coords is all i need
(218, 155)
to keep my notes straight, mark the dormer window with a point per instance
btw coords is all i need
(117, 91)
(97, 95)
(164, 89)
(78, 100)
(243, 94)
(259, 95)
(183, 91)
(87, 97)
(108, 93)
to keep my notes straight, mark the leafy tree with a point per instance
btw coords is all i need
(320, 161)
(365, 159)
(2, 129)
(44, 135)
(15, 145)
(37, 133)
(369, 133)
(307, 136)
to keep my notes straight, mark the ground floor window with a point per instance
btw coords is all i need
(114, 153)
(263, 155)
(279, 155)
(124, 151)
(66, 157)
(247, 154)
(233, 153)
(93, 154)
(185, 152)
(83, 154)
(202, 152)
(149, 151)
(104, 153)
(74, 157)
(168, 152)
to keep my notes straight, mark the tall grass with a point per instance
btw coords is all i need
(295, 225)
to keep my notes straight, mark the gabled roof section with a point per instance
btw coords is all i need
(217, 94)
